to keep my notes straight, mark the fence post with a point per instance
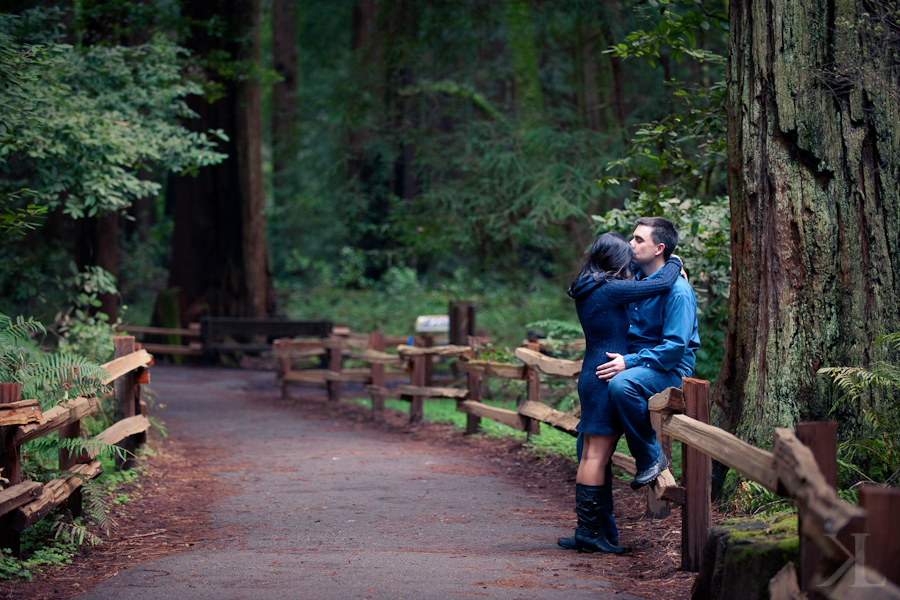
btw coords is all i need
(124, 388)
(283, 346)
(376, 342)
(473, 380)
(657, 508)
(883, 540)
(695, 468)
(141, 376)
(532, 394)
(428, 364)
(335, 363)
(417, 403)
(462, 325)
(11, 463)
(821, 438)
(462, 322)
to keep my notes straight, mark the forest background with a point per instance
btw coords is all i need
(368, 161)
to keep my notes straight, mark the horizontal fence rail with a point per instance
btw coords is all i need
(24, 503)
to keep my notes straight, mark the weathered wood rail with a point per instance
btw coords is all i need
(828, 524)
(213, 335)
(24, 503)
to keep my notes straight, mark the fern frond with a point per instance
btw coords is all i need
(73, 532)
(892, 339)
(78, 445)
(159, 426)
(61, 376)
(14, 331)
(98, 508)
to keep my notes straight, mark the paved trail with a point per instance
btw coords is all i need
(326, 510)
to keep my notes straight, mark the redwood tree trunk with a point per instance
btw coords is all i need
(284, 101)
(219, 264)
(250, 171)
(813, 166)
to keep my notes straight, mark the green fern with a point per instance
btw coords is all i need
(881, 418)
(73, 532)
(50, 377)
(97, 506)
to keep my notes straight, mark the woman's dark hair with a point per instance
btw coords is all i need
(610, 258)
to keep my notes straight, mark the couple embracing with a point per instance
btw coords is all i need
(639, 318)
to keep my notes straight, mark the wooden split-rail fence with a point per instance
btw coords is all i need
(24, 503)
(791, 469)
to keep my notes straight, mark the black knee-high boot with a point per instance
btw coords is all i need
(590, 535)
(609, 523)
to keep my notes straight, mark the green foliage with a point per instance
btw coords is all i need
(38, 551)
(50, 377)
(489, 192)
(504, 309)
(674, 27)
(55, 539)
(87, 120)
(872, 390)
(751, 498)
(81, 328)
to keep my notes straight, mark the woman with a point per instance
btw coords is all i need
(602, 291)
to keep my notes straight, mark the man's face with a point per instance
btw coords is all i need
(645, 251)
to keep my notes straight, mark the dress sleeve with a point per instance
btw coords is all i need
(622, 291)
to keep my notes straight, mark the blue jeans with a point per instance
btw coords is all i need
(629, 392)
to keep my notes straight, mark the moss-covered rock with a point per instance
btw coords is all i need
(742, 555)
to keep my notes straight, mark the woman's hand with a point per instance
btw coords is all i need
(683, 272)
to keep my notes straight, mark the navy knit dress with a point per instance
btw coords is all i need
(602, 311)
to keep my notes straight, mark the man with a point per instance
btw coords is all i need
(662, 341)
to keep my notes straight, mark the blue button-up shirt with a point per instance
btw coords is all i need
(663, 331)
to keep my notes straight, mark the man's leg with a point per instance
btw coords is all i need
(629, 392)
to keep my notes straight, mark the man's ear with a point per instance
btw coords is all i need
(660, 248)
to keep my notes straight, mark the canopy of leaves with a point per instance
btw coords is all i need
(82, 126)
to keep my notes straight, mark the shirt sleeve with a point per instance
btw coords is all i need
(623, 291)
(676, 335)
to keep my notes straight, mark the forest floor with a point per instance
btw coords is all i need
(171, 509)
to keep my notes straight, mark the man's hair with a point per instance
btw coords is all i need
(663, 232)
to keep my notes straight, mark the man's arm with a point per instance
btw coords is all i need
(681, 311)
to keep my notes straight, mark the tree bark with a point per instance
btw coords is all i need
(284, 101)
(813, 167)
(250, 171)
(219, 264)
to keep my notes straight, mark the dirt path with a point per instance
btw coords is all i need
(300, 499)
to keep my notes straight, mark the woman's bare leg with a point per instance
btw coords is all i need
(596, 453)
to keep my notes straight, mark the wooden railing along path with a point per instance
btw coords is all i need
(24, 503)
(214, 335)
(790, 469)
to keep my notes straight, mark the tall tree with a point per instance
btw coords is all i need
(284, 100)
(520, 35)
(219, 263)
(813, 165)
